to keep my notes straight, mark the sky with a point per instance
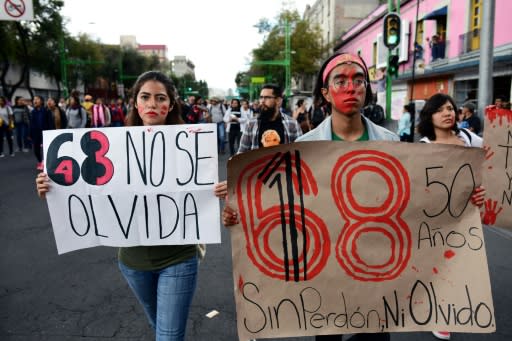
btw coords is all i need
(216, 35)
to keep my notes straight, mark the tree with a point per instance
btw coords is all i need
(31, 43)
(307, 51)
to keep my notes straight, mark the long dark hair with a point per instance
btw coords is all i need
(238, 102)
(320, 84)
(174, 116)
(426, 127)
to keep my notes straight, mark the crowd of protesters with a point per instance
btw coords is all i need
(23, 121)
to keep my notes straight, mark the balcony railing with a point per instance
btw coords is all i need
(466, 41)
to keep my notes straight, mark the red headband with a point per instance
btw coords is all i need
(344, 58)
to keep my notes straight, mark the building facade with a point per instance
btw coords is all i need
(443, 42)
(181, 66)
(334, 18)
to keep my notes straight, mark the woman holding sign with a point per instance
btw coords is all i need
(438, 124)
(163, 278)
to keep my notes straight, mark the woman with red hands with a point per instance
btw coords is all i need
(438, 124)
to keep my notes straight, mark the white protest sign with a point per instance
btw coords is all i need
(133, 186)
(16, 10)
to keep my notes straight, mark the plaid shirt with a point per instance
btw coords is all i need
(249, 140)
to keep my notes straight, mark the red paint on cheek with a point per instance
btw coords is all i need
(449, 254)
(435, 271)
(165, 110)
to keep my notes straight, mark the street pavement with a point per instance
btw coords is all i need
(81, 295)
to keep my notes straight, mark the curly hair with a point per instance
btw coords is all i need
(432, 105)
(174, 116)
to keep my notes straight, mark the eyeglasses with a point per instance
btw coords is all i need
(264, 98)
(343, 84)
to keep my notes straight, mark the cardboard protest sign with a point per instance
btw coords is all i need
(133, 186)
(498, 168)
(339, 238)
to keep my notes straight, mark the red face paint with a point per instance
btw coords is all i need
(348, 100)
(435, 270)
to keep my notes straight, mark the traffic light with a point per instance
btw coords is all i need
(391, 30)
(393, 66)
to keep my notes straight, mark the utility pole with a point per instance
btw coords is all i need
(63, 67)
(486, 57)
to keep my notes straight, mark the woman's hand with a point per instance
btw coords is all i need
(229, 216)
(478, 196)
(42, 185)
(221, 190)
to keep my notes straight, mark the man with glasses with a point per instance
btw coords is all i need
(269, 120)
(343, 85)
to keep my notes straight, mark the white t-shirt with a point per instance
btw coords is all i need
(5, 112)
(470, 139)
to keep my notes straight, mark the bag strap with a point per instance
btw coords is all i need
(464, 130)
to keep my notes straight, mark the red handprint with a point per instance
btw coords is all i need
(490, 214)
(492, 113)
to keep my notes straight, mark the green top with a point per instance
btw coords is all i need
(147, 258)
(363, 137)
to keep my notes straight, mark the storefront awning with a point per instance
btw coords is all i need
(440, 12)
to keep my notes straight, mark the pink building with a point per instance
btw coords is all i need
(154, 50)
(446, 35)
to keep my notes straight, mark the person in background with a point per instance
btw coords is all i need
(255, 108)
(474, 124)
(404, 125)
(461, 123)
(63, 105)
(40, 119)
(318, 114)
(498, 102)
(75, 113)
(217, 112)
(129, 106)
(87, 105)
(59, 116)
(116, 113)
(21, 124)
(204, 116)
(100, 114)
(163, 278)
(234, 119)
(246, 111)
(120, 103)
(270, 117)
(438, 125)
(301, 115)
(6, 126)
(191, 112)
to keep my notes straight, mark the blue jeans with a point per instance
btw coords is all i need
(165, 295)
(22, 135)
(221, 136)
